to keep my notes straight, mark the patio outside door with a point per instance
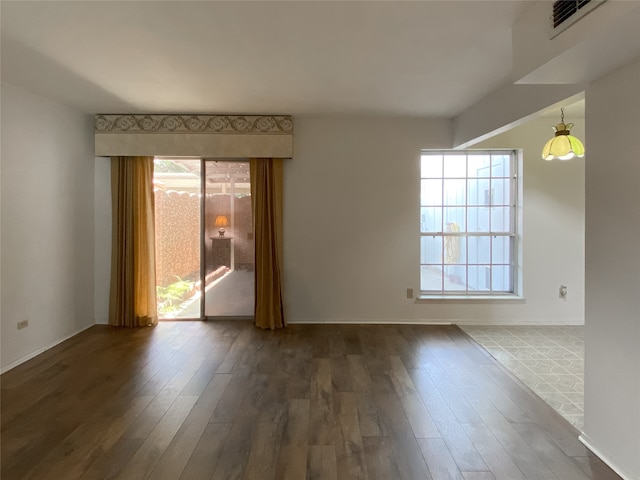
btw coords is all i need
(228, 240)
(204, 239)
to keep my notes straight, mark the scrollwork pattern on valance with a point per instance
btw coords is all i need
(209, 124)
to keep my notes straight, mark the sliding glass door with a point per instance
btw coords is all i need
(177, 184)
(228, 240)
(204, 239)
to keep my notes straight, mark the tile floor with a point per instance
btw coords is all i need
(548, 359)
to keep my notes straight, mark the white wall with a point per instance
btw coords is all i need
(102, 274)
(351, 217)
(351, 228)
(581, 53)
(612, 330)
(47, 223)
(553, 221)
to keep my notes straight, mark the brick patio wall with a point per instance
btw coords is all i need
(178, 233)
(177, 236)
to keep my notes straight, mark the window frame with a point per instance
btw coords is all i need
(514, 203)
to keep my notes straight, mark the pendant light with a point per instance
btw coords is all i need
(563, 146)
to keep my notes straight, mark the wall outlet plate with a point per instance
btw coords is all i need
(409, 292)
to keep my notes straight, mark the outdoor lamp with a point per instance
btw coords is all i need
(563, 146)
(221, 221)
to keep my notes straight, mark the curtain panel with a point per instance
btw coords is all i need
(133, 269)
(266, 198)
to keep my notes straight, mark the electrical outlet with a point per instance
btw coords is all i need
(23, 324)
(409, 292)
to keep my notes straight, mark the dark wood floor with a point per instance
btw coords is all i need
(225, 400)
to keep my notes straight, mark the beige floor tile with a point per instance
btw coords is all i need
(548, 359)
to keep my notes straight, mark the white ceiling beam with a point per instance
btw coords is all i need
(509, 107)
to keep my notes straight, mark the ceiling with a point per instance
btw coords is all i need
(392, 58)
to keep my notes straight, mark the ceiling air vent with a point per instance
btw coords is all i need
(568, 12)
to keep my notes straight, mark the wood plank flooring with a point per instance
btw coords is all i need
(225, 400)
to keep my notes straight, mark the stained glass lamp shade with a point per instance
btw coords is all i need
(563, 146)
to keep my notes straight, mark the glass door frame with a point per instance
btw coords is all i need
(203, 240)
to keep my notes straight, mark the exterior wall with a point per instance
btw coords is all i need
(178, 233)
(177, 236)
(243, 235)
(241, 230)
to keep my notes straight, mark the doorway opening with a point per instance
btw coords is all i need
(204, 238)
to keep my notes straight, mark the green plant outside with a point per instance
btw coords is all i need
(171, 296)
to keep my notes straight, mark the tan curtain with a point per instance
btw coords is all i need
(133, 269)
(266, 200)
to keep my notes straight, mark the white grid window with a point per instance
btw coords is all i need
(468, 222)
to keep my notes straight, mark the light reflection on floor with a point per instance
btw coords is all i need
(230, 295)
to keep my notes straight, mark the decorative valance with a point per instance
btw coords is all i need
(223, 136)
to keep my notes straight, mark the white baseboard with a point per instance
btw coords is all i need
(436, 321)
(605, 458)
(516, 321)
(368, 321)
(20, 361)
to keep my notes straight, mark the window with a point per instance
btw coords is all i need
(468, 223)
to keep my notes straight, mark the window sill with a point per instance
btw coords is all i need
(470, 298)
